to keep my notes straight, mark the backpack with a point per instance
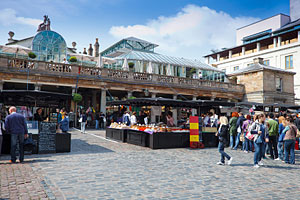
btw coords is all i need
(127, 120)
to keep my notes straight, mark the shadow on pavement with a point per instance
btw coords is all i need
(81, 146)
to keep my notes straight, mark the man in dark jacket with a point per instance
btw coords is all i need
(239, 125)
(15, 125)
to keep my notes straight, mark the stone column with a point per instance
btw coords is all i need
(1, 85)
(218, 57)
(194, 111)
(73, 104)
(275, 42)
(129, 94)
(230, 54)
(258, 47)
(243, 50)
(279, 41)
(103, 101)
(94, 100)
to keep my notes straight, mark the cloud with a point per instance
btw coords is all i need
(8, 17)
(191, 33)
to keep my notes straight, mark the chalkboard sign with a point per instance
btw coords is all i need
(47, 136)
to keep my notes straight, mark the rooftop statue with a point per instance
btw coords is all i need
(45, 26)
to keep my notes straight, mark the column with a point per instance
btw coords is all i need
(279, 41)
(1, 85)
(230, 54)
(218, 57)
(258, 47)
(243, 50)
(207, 60)
(275, 42)
(194, 111)
(152, 117)
(298, 36)
(175, 111)
(94, 100)
(72, 102)
(129, 95)
(103, 101)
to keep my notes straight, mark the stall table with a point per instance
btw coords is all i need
(116, 134)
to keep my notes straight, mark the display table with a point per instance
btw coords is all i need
(139, 138)
(163, 140)
(116, 134)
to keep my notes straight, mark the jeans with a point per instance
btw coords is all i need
(102, 126)
(1, 139)
(97, 124)
(273, 144)
(223, 154)
(237, 141)
(13, 146)
(83, 127)
(246, 144)
(258, 152)
(289, 150)
(232, 139)
(280, 150)
(263, 152)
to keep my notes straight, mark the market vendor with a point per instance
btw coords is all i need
(38, 115)
(170, 119)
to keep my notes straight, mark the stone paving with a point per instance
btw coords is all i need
(101, 169)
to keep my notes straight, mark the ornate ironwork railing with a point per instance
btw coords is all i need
(60, 69)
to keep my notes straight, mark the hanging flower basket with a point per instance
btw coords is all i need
(73, 59)
(77, 97)
(31, 55)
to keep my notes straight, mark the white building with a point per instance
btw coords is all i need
(275, 39)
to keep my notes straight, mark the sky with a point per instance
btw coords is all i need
(181, 28)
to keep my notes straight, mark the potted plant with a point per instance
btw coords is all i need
(31, 55)
(73, 59)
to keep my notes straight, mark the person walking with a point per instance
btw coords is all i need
(247, 146)
(102, 120)
(83, 119)
(282, 125)
(97, 120)
(259, 128)
(273, 135)
(64, 124)
(239, 124)
(233, 128)
(15, 124)
(222, 134)
(290, 132)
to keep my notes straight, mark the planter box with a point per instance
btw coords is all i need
(139, 138)
(116, 134)
(63, 142)
(210, 139)
(169, 140)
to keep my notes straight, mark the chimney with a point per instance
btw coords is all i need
(74, 46)
(96, 47)
(11, 35)
(84, 51)
(258, 61)
(90, 50)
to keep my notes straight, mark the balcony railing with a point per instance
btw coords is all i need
(68, 70)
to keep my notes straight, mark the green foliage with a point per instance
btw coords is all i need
(31, 55)
(73, 59)
(77, 97)
(132, 97)
(131, 64)
(193, 70)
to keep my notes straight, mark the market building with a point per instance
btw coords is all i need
(275, 39)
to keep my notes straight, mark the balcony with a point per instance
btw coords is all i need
(74, 71)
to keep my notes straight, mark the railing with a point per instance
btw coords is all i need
(60, 69)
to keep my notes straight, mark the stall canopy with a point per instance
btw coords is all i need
(33, 98)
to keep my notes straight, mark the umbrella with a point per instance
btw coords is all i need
(169, 73)
(125, 66)
(150, 68)
(16, 49)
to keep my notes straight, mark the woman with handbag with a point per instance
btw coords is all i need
(245, 127)
(259, 128)
(222, 134)
(282, 125)
(290, 132)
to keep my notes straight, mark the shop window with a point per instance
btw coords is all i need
(235, 68)
(278, 84)
(289, 62)
(267, 62)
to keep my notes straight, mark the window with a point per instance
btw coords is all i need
(289, 62)
(235, 68)
(267, 62)
(278, 84)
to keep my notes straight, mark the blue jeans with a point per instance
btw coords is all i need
(247, 146)
(289, 150)
(97, 124)
(222, 152)
(237, 141)
(232, 139)
(258, 152)
(280, 150)
(13, 147)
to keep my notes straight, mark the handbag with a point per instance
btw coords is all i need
(298, 133)
(80, 120)
(242, 138)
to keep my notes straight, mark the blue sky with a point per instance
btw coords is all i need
(183, 28)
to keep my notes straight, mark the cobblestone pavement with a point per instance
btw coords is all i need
(101, 169)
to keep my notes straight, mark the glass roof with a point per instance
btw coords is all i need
(158, 58)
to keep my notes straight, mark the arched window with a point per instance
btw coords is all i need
(49, 46)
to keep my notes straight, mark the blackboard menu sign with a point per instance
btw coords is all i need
(47, 136)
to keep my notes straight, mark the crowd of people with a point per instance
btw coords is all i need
(263, 134)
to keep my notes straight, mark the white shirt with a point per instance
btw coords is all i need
(133, 120)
